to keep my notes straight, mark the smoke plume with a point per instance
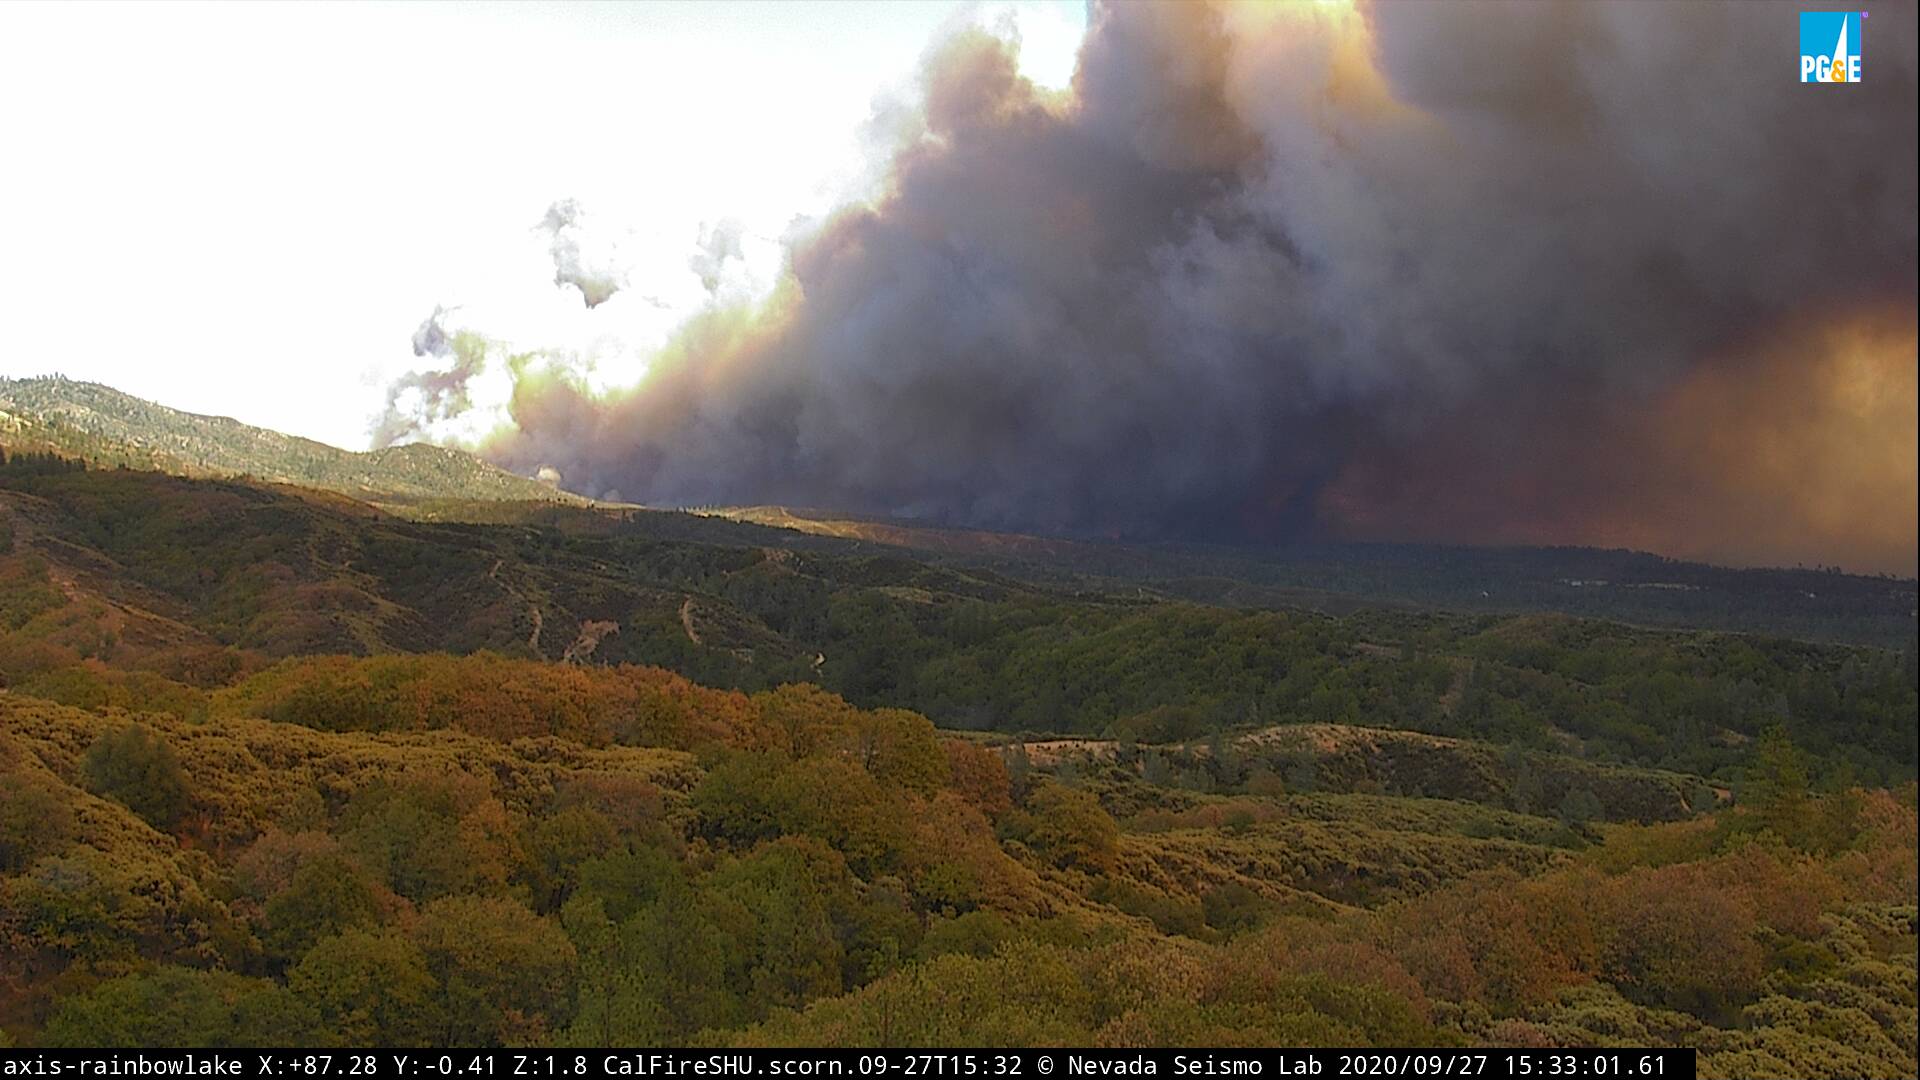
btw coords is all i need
(419, 399)
(718, 242)
(431, 338)
(1592, 273)
(596, 281)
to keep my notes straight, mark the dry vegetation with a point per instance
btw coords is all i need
(220, 828)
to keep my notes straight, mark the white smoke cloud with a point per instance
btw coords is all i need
(584, 261)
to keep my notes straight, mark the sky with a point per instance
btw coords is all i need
(247, 210)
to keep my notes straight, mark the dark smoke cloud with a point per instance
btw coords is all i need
(420, 399)
(562, 224)
(431, 338)
(1436, 271)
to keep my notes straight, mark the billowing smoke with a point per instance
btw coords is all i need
(718, 243)
(1590, 273)
(420, 399)
(431, 338)
(596, 279)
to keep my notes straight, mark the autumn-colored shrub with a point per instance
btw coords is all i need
(1068, 826)
(1485, 940)
(497, 697)
(979, 775)
(34, 821)
(1678, 939)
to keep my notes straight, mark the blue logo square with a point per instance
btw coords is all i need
(1830, 46)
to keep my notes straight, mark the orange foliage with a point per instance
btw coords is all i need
(268, 864)
(804, 719)
(630, 802)
(1677, 937)
(1300, 947)
(1885, 866)
(493, 696)
(957, 866)
(1785, 889)
(980, 777)
(1500, 940)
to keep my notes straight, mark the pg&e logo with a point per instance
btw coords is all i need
(1830, 46)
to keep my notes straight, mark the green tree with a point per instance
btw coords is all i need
(1019, 768)
(882, 928)
(626, 881)
(79, 906)
(181, 1007)
(785, 905)
(806, 718)
(747, 798)
(135, 767)
(1234, 908)
(1070, 827)
(427, 840)
(1775, 789)
(34, 821)
(557, 847)
(696, 963)
(327, 895)
(616, 1001)
(1581, 806)
(900, 747)
(369, 986)
(503, 972)
(735, 798)
(976, 933)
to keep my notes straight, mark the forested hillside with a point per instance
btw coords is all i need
(86, 421)
(618, 856)
(1819, 603)
(90, 422)
(279, 768)
(180, 566)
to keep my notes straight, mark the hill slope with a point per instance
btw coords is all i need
(100, 424)
(1630, 586)
(614, 857)
(430, 483)
(1387, 828)
(143, 571)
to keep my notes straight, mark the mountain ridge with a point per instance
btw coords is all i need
(428, 483)
(98, 423)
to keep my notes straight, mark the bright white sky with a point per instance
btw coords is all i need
(247, 209)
